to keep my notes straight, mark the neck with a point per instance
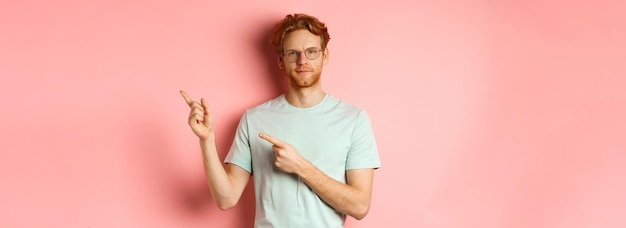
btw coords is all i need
(305, 97)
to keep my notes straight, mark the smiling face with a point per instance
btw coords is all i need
(303, 72)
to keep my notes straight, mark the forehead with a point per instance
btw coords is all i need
(301, 39)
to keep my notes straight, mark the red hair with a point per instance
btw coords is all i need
(297, 22)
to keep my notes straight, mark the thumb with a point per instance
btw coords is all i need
(204, 105)
(208, 116)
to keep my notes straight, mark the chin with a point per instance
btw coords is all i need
(304, 83)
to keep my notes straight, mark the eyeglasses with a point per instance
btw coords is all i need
(311, 54)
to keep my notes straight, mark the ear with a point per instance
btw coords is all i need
(325, 55)
(281, 65)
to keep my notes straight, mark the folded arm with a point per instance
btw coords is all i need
(352, 198)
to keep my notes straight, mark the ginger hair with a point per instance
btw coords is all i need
(297, 22)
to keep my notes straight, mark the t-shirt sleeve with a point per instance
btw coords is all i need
(363, 151)
(239, 153)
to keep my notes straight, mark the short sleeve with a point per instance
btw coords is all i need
(363, 151)
(239, 153)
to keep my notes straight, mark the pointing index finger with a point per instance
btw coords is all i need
(186, 97)
(271, 139)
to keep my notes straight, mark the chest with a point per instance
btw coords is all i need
(323, 140)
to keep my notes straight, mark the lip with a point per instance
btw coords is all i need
(303, 70)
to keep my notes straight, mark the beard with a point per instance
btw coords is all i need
(302, 81)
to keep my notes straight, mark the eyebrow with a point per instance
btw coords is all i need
(304, 49)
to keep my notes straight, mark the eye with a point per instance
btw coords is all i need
(312, 51)
(291, 53)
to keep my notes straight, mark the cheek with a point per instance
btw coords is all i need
(320, 64)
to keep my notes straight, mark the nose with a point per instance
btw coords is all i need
(302, 59)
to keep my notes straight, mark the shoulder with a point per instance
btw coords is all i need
(272, 104)
(345, 107)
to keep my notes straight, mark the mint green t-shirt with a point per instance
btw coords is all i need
(333, 135)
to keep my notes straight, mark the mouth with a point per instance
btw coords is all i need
(303, 70)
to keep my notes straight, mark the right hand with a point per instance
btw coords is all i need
(200, 118)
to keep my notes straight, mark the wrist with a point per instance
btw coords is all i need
(305, 168)
(207, 140)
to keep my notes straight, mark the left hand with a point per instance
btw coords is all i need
(287, 157)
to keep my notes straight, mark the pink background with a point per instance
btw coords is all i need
(487, 113)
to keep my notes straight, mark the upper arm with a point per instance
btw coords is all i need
(239, 178)
(362, 180)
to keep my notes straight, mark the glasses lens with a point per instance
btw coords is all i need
(311, 54)
(291, 56)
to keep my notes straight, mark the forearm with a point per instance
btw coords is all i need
(347, 199)
(217, 177)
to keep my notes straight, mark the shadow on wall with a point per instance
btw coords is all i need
(174, 189)
(170, 188)
(266, 52)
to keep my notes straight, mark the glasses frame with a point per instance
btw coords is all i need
(299, 53)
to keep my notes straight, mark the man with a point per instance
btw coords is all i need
(312, 156)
